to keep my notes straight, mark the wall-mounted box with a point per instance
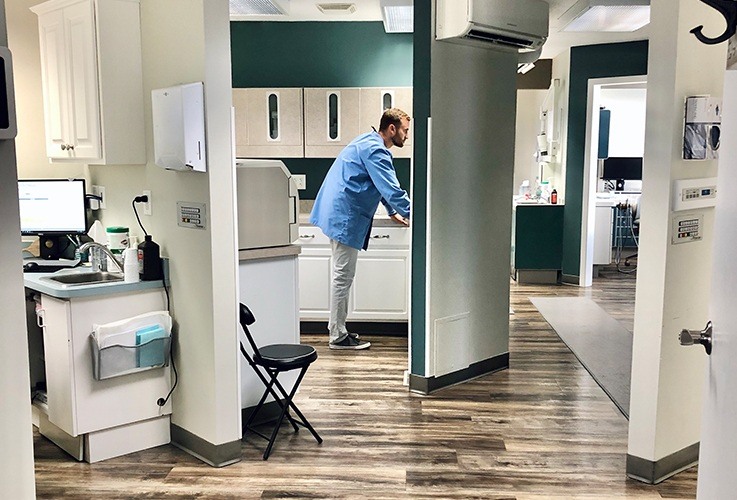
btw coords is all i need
(8, 127)
(694, 193)
(179, 127)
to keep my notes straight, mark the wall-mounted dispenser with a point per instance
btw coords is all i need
(8, 127)
(179, 127)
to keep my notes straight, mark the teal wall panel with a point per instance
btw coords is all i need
(421, 112)
(592, 61)
(315, 54)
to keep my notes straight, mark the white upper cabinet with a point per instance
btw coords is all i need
(375, 100)
(92, 81)
(268, 123)
(331, 120)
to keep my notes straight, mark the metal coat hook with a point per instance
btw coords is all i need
(727, 8)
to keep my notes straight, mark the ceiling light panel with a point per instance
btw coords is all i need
(398, 15)
(337, 8)
(255, 8)
(611, 18)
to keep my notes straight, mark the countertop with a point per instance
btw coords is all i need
(40, 282)
(269, 253)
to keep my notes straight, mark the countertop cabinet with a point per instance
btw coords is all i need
(77, 403)
(375, 100)
(331, 120)
(380, 290)
(92, 81)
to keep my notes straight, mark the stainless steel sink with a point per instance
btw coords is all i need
(86, 278)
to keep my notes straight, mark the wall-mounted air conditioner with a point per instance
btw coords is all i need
(518, 25)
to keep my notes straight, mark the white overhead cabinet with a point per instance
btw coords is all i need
(332, 120)
(92, 81)
(375, 100)
(269, 123)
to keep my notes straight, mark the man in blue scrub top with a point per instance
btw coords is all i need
(361, 176)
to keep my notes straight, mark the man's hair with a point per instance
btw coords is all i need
(392, 116)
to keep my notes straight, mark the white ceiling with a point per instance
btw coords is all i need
(368, 10)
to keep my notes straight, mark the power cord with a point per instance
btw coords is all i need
(163, 401)
(139, 199)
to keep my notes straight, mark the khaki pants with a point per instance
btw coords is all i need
(344, 269)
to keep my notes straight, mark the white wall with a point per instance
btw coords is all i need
(527, 127)
(627, 128)
(16, 442)
(561, 72)
(183, 41)
(673, 280)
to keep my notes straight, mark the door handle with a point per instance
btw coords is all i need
(703, 337)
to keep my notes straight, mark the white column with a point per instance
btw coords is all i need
(673, 280)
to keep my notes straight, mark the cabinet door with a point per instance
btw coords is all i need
(269, 123)
(375, 100)
(83, 99)
(315, 269)
(54, 82)
(331, 121)
(380, 289)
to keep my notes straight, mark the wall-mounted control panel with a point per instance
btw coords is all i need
(687, 228)
(694, 193)
(8, 127)
(191, 215)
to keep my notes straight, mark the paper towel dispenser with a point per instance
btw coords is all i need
(179, 127)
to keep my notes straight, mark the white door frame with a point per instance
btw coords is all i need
(588, 196)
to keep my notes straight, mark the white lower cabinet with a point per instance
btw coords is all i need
(380, 290)
(80, 405)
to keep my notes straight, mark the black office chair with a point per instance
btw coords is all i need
(275, 359)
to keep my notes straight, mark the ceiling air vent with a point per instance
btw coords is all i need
(255, 8)
(336, 9)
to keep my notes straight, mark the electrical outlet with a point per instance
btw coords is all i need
(300, 180)
(148, 206)
(100, 191)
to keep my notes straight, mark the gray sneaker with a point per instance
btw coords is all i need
(347, 341)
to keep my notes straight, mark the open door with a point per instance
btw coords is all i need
(718, 452)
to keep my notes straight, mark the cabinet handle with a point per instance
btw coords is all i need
(63, 147)
(39, 317)
(70, 147)
(306, 236)
(380, 237)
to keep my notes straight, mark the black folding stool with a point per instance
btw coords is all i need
(275, 359)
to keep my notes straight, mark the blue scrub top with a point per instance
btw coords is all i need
(361, 176)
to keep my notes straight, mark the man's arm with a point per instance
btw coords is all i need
(381, 170)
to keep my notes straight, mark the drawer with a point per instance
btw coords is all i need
(312, 236)
(395, 237)
(381, 237)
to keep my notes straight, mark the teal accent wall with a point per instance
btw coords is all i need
(315, 54)
(421, 112)
(592, 61)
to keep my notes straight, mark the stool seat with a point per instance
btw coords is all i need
(286, 356)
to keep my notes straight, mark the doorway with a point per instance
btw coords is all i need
(626, 139)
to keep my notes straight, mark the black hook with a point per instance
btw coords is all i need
(727, 8)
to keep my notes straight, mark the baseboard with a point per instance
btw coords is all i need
(651, 472)
(385, 328)
(428, 385)
(217, 455)
(570, 279)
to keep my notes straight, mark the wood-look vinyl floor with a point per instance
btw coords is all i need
(541, 430)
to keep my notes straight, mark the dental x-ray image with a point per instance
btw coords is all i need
(702, 134)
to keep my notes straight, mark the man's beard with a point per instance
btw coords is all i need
(396, 142)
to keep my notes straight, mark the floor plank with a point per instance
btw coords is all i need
(541, 430)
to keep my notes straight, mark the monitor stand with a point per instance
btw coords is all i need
(49, 247)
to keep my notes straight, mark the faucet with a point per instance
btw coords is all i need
(96, 265)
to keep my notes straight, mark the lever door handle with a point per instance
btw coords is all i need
(703, 337)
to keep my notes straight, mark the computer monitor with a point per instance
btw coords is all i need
(620, 169)
(51, 208)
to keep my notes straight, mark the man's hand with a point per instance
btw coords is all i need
(400, 220)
